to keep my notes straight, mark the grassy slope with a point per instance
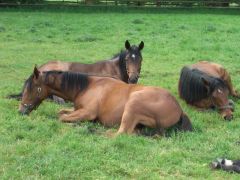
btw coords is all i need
(39, 146)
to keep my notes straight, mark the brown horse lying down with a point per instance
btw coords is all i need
(125, 66)
(107, 100)
(207, 85)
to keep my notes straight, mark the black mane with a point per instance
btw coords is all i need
(70, 80)
(122, 65)
(192, 88)
(28, 83)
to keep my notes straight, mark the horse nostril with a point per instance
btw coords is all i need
(133, 81)
(23, 112)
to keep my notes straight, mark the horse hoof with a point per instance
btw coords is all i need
(58, 100)
(228, 118)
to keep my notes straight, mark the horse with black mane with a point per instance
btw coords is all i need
(125, 66)
(107, 100)
(207, 85)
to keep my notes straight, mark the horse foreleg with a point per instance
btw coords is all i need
(227, 79)
(65, 111)
(78, 115)
(128, 124)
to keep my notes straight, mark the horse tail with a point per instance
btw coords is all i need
(15, 96)
(185, 123)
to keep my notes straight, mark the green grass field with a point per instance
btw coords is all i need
(40, 147)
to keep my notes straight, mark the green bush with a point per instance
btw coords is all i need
(21, 1)
(221, 3)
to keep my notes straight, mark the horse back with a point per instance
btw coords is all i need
(101, 68)
(210, 68)
(55, 66)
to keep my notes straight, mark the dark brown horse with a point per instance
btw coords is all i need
(107, 100)
(125, 66)
(207, 85)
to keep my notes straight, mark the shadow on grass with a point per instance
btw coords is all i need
(97, 129)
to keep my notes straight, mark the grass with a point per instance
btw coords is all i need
(40, 147)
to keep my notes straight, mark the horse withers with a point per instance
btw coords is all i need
(125, 66)
(107, 100)
(207, 85)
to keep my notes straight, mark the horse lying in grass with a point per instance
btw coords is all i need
(107, 100)
(125, 66)
(207, 85)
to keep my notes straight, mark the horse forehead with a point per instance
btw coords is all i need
(135, 54)
(134, 49)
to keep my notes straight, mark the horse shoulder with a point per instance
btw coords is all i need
(89, 99)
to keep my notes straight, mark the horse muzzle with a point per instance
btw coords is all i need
(227, 114)
(25, 109)
(133, 79)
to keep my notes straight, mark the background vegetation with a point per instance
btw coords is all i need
(39, 146)
(22, 1)
(147, 3)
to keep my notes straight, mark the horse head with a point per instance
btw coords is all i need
(133, 61)
(219, 98)
(34, 92)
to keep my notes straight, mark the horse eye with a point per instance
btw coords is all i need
(39, 90)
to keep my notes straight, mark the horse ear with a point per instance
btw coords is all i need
(36, 72)
(141, 46)
(127, 45)
(205, 82)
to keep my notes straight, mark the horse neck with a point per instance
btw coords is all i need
(53, 83)
(113, 68)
